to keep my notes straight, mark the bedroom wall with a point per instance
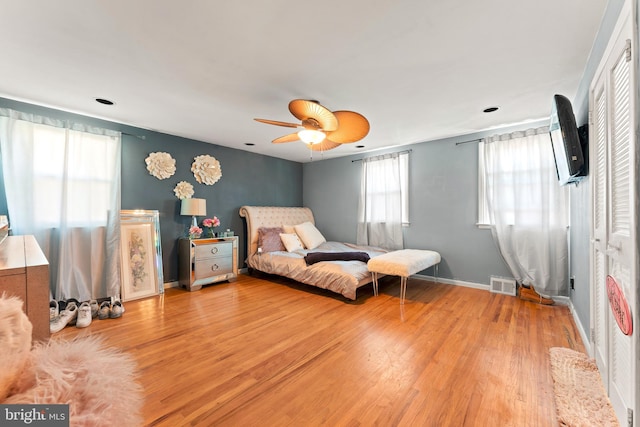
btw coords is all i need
(247, 178)
(443, 198)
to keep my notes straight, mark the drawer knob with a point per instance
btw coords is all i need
(215, 267)
(214, 250)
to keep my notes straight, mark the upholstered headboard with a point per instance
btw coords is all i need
(271, 216)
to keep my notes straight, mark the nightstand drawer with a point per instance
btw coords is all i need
(213, 267)
(214, 250)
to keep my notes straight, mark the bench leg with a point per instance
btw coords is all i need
(403, 289)
(375, 283)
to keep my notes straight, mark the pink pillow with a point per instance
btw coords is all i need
(269, 239)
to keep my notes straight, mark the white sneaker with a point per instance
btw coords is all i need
(84, 315)
(68, 315)
(53, 310)
(116, 309)
(94, 308)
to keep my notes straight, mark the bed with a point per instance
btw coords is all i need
(343, 274)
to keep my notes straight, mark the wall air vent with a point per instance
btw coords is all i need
(503, 285)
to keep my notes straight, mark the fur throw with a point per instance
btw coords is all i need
(98, 382)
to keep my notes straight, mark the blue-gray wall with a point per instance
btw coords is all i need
(443, 197)
(247, 179)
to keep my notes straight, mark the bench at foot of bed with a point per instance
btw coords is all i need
(403, 263)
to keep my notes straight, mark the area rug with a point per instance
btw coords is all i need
(581, 399)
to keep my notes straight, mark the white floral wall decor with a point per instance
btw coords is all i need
(161, 165)
(206, 169)
(183, 190)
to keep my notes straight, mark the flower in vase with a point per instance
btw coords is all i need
(209, 224)
(195, 232)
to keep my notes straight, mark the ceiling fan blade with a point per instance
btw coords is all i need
(292, 137)
(277, 123)
(323, 146)
(352, 127)
(305, 110)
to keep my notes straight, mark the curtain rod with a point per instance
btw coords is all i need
(471, 140)
(137, 136)
(397, 152)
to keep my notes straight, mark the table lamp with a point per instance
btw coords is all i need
(193, 207)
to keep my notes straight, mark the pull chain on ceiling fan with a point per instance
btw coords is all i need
(320, 128)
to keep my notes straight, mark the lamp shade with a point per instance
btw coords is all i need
(311, 136)
(193, 207)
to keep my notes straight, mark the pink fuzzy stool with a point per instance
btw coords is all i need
(97, 381)
(402, 263)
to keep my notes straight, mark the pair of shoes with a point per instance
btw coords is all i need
(530, 294)
(84, 315)
(66, 317)
(109, 310)
(53, 310)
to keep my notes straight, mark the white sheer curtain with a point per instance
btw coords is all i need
(62, 184)
(382, 198)
(529, 210)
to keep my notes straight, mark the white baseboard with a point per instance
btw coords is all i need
(583, 334)
(167, 285)
(452, 282)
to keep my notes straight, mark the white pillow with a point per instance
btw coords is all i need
(291, 242)
(288, 229)
(309, 234)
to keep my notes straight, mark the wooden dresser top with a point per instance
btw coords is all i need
(19, 252)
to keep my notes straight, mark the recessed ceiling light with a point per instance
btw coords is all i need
(104, 101)
(250, 144)
(490, 109)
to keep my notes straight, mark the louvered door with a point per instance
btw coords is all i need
(599, 271)
(613, 231)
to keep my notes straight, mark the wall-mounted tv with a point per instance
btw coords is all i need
(566, 142)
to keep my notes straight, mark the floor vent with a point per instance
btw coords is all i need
(503, 285)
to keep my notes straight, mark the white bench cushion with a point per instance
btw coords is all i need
(404, 262)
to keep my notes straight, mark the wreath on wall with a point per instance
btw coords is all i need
(206, 169)
(183, 190)
(161, 165)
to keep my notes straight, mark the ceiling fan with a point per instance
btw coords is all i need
(320, 128)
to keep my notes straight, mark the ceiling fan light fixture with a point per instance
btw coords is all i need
(311, 136)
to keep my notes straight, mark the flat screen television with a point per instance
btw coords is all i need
(566, 142)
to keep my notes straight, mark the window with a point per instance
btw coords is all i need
(382, 174)
(384, 200)
(62, 183)
(86, 173)
(516, 169)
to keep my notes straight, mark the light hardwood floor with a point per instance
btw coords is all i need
(271, 353)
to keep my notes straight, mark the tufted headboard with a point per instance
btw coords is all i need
(271, 216)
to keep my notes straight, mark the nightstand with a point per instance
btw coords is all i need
(205, 261)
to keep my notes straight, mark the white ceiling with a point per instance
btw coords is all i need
(418, 70)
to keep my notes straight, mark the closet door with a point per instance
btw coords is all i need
(598, 165)
(614, 222)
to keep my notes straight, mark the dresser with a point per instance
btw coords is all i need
(205, 261)
(24, 272)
